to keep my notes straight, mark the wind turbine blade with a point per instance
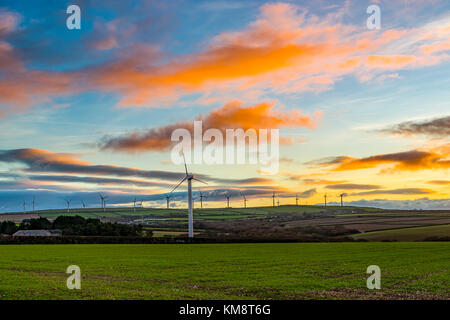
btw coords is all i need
(185, 166)
(178, 184)
(199, 180)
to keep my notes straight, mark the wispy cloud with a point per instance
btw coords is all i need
(353, 186)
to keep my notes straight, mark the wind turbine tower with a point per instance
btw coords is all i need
(296, 199)
(189, 177)
(325, 197)
(228, 201)
(273, 199)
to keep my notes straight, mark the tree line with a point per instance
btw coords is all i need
(75, 226)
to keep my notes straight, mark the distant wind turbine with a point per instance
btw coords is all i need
(189, 177)
(228, 201)
(245, 200)
(193, 203)
(103, 199)
(201, 199)
(84, 205)
(296, 199)
(167, 201)
(24, 207)
(134, 205)
(342, 195)
(325, 197)
(33, 203)
(104, 203)
(68, 205)
(273, 199)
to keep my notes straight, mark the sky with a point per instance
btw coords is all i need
(361, 112)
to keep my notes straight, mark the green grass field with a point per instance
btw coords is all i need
(407, 234)
(205, 213)
(226, 271)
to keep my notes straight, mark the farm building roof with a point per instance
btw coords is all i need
(37, 233)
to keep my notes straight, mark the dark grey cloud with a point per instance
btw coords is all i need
(37, 161)
(302, 194)
(438, 127)
(95, 180)
(402, 191)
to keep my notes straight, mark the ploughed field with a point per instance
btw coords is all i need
(412, 270)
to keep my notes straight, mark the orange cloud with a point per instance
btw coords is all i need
(231, 116)
(439, 182)
(402, 161)
(438, 47)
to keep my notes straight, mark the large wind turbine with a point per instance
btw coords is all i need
(189, 177)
